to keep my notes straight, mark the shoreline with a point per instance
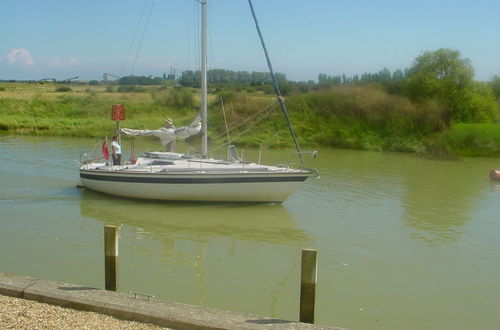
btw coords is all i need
(127, 307)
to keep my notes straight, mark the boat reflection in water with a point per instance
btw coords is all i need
(192, 253)
(266, 223)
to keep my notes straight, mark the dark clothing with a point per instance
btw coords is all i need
(117, 159)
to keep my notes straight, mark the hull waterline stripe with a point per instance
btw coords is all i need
(141, 179)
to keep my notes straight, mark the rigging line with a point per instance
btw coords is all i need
(225, 120)
(253, 125)
(275, 83)
(268, 108)
(142, 37)
(197, 36)
(209, 37)
(190, 25)
(246, 130)
(133, 38)
(94, 147)
(193, 35)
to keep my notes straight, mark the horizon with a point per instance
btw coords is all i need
(61, 39)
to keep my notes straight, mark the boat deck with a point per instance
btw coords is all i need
(191, 166)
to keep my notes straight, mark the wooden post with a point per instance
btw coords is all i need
(110, 254)
(308, 285)
(118, 132)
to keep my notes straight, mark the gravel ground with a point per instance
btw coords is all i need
(16, 313)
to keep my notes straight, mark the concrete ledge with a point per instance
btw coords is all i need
(14, 285)
(125, 306)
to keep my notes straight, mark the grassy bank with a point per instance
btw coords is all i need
(84, 111)
(344, 116)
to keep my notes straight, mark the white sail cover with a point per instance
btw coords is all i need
(166, 135)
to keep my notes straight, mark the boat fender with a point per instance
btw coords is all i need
(495, 174)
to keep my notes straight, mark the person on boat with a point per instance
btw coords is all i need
(105, 150)
(169, 133)
(116, 151)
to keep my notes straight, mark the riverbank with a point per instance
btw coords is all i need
(349, 117)
(135, 308)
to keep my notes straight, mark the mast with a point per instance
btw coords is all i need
(203, 110)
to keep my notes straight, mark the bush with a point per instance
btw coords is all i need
(131, 89)
(63, 89)
(178, 97)
(474, 139)
(227, 96)
(389, 115)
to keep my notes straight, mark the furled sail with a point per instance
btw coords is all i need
(167, 134)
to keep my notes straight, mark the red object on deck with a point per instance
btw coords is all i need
(495, 174)
(105, 151)
(118, 112)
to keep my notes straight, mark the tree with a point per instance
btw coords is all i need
(439, 73)
(495, 85)
(445, 76)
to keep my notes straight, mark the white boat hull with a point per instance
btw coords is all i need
(275, 187)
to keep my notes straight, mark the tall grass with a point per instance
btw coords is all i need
(82, 112)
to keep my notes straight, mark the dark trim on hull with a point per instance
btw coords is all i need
(239, 179)
(184, 201)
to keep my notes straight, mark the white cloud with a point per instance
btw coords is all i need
(64, 62)
(74, 61)
(19, 56)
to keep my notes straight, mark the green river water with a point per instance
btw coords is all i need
(404, 242)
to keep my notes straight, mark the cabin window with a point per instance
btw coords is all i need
(161, 162)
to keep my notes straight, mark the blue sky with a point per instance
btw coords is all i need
(65, 38)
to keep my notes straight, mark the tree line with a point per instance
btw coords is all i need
(228, 77)
(441, 78)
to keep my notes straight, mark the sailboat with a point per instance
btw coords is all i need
(181, 177)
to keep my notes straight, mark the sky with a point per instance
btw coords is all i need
(66, 38)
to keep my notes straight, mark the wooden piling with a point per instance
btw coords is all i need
(110, 255)
(308, 285)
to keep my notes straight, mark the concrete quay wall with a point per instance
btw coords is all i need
(127, 307)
